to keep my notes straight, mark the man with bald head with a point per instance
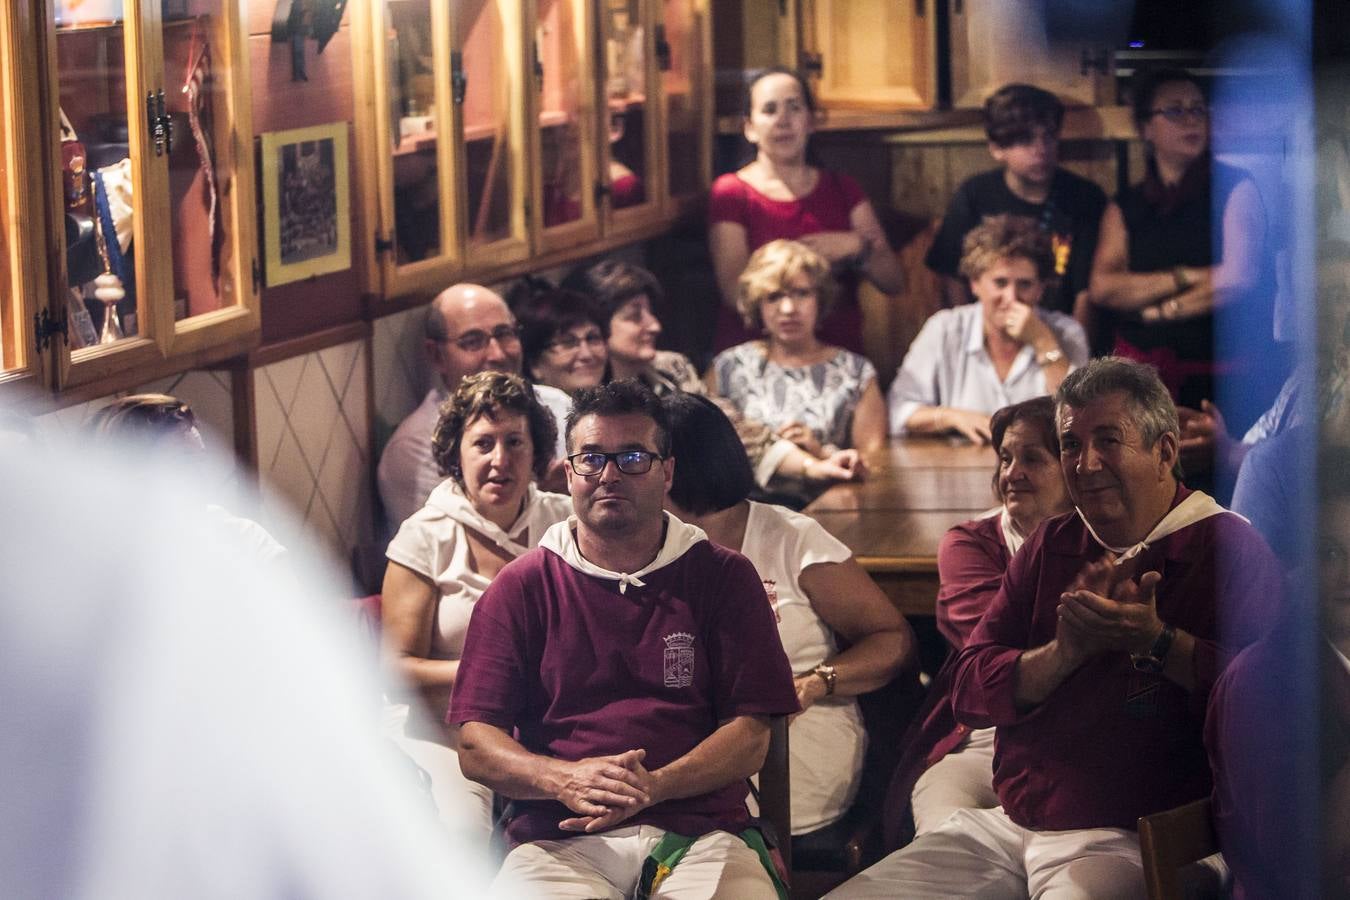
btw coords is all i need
(469, 329)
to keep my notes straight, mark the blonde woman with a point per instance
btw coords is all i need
(818, 396)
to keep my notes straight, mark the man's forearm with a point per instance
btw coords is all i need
(734, 751)
(490, 756)
(1039, 672)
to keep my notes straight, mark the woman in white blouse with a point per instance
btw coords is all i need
(969, 361)
(817, 590)
(818, 396)
(492, 441)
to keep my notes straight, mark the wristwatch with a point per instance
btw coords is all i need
(1153, 661)
(827, 675)
(1050, 356)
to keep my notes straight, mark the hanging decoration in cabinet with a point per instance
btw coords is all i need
(47, 328)
(459, 83)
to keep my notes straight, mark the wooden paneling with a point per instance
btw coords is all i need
(295, 309)
(280, 103)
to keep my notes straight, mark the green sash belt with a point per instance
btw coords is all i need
(671, 849)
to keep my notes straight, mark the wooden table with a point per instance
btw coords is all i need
(916, 489)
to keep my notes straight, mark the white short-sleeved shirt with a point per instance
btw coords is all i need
(822, 396)
(828, 741)
(432, 542)
(948, 365)
(407, 473)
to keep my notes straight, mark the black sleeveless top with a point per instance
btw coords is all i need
(1184, 227)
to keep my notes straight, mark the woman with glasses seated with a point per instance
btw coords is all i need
(493, 439)
(1182, 248)
(968, 361)
(625, 296)
(818, 396)
(818, 591)
(562, 339)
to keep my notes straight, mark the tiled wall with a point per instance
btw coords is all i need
(313, 433)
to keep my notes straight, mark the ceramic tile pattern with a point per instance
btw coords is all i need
(313, 444)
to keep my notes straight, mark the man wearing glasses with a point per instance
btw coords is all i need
(469, 329)
(616, 682)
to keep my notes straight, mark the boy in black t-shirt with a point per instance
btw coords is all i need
(1022, 123)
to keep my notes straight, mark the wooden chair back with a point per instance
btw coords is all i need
(1170, 840)
(775, 807)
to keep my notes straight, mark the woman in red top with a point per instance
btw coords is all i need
(945, 765)
(780, 194)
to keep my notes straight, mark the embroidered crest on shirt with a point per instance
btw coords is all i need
(679, 659)
(771, 591)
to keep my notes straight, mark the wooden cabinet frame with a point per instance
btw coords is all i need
(37, 282)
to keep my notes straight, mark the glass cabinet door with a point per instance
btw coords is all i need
(106, 121)
(564, 90)
(630, 130)
(487, 69)
(681, 41)
(22, 279)
(410, 88)
(205, 172)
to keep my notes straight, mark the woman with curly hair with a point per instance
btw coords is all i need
(492, 441)
(969, 361)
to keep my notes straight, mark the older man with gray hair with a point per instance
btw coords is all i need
(1095, 660)
(469, 329)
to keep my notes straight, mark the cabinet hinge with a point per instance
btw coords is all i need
(602, 190)
(812, 63)
(383, 244)
(257, 276)
(662, 48)
(459, 82)
(46, 329)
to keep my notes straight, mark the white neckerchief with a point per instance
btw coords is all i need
(449, 499)
(1012, 535)
(680, 536)
(1195, 508)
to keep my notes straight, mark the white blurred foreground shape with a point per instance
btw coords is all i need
(175, 721)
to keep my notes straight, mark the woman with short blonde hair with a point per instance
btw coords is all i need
(818, 396)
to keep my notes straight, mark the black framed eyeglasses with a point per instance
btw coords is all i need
(568, 342)
(1177, 114)
(473, 341)
(629, 462)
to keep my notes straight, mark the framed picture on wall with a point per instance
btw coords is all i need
(307, 214)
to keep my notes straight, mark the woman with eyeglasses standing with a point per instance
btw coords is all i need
(562, 339)
(493, 439)
(1184, 249)
(818, 396)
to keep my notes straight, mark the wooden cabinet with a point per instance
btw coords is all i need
(994, 42)
(870, 54)
(569, 126)
(142, 193)
(876, 63)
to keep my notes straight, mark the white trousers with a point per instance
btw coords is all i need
(981, 853)
(608, 865)
(963, 779)
(463, 806)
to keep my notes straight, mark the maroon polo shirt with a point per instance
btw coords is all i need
(581, 670)
(1111, 744)
(972, 558)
